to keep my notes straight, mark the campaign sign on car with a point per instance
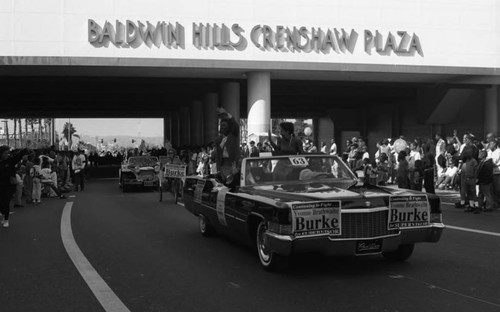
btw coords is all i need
(316, 219)
(408, 211)
(198, 191)
(175, 171)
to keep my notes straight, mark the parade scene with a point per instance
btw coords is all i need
(249, 156)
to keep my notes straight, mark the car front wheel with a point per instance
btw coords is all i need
(206, 229)
(401, 254)
(269, 260)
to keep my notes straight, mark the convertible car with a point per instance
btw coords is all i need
(139, 172)
(314, 203)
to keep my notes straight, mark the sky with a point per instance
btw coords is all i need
(139, 127)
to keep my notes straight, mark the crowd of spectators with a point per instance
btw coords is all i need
(469, 165)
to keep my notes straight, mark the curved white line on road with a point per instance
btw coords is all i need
(472, 230)
(108, 299)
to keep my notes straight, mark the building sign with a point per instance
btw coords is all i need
(266, 38)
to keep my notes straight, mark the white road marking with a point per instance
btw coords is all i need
(472, 230)
(108, 299)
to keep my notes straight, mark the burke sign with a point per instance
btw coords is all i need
(266, 38)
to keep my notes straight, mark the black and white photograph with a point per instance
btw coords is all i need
(249, 155)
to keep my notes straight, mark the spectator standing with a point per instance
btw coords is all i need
(333, 147)
(383, 170)
(485, 181)
(494, 155)
(440, 150)
(35, 174)
(27, 179)
(428, 167)
(254, 151)
(18, 196)
(323, 147)
(418, 176)
(7, 180)
(78, 165)
(403, 171)
(469, 175)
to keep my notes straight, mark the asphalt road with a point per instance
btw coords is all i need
(153, 258)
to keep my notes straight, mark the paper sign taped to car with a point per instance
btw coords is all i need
(174, 171)
(198, 191)
(316, 219)
(408, 211)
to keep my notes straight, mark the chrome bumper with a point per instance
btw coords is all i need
(288, 244)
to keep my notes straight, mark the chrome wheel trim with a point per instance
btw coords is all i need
(202, 224)
(265, 257)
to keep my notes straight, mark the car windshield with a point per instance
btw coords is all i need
(148, 161)
(307, 168)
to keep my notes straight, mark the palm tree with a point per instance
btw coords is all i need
(40, 129)
(7, 132)
(68, 132)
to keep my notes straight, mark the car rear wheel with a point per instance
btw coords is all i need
(269, 260)
(401, 254)
(206, 229)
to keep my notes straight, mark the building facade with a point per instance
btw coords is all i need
(376, 69)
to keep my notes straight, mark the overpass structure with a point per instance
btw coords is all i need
(378, 69)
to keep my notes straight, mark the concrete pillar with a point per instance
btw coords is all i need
(491, 111)
(211, 103)
(259, 103)
(196, 123)
(230, 98)
(167, 130)
(175, 130)
(184, 125)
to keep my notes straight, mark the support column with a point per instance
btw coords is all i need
(167, 131)
(196, 123)
(175, 134)
(184, 127)
(210, 117)
(259, 104)
(230, 98)
(491, 111)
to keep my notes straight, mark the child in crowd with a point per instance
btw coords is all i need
(36, 174)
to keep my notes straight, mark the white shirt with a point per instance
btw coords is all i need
(495, 157)
(333, 149)
(440, 146)
(415, 155)
(451, 171)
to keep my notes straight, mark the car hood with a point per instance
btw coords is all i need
(320, 191)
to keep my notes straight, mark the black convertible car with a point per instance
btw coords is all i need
(303, 203)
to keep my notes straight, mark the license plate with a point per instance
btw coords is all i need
(148, 183)
(371, 246)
